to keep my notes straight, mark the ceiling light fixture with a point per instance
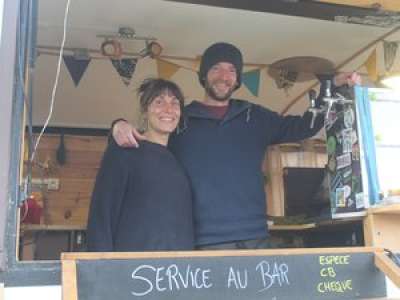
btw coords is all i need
(111, 48)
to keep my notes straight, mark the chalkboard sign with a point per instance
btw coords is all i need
(347, 273)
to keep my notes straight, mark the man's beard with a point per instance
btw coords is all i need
(211, 92)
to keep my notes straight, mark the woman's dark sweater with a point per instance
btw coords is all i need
(141, 202)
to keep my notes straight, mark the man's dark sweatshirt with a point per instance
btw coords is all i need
(223, 158)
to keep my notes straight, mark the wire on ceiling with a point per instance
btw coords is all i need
(53, 94)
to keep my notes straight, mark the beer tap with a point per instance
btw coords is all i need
(312, 96)
(331, 100)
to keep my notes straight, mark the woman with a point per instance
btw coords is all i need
(142, 199)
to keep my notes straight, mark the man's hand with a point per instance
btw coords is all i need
(126, 135)
(349, 78)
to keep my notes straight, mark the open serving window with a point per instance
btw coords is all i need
(78, 67)
(84, 73)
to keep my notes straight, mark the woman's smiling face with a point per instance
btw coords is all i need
(163, 113)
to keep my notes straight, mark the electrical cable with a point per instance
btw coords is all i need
(53, 95)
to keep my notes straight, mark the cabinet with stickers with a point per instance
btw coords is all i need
(344, 166)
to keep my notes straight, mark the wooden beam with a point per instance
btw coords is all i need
(72, 256)
(389, 5)
(69, 284)
(391, 209)
(387, 266)
(309, 9)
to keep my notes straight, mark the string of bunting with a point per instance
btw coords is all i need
(166, 69)
(125, 67)
(250, 79)
(389, 55)
(76, 67)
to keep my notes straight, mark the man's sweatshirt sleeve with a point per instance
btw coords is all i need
(106, 200)
(295, 128)
(285, 129)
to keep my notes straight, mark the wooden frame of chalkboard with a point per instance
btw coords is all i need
(323, 273)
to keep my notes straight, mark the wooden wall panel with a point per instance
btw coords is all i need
(274, 183)
(70, 203)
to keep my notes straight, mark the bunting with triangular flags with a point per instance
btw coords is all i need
(125, 68)
(251, 80)
(76, 67)
(166, 69)
(371, 66)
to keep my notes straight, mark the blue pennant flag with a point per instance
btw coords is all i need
(125, 68)
(76, 67)
(251, 80)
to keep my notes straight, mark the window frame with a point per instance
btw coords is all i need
(12, 271)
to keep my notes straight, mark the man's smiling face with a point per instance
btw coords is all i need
(221, 81)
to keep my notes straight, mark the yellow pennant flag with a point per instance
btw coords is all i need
(371, 66)
(166, 69)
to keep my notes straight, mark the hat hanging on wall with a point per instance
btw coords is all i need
(287, 71)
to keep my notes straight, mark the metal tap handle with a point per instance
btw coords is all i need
(313, 119)
(328, 87)
(312, 96)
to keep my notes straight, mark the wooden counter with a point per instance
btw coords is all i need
(381, 227)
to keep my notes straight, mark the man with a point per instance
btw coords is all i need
(221, 144)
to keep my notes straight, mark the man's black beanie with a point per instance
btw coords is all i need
(221, 52)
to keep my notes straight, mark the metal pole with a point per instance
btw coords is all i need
(29, 79)
(16, 135)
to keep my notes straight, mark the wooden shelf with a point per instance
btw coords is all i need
(392, 209)
(273, 227)
(313, 225)
(340, 221)
(381, 225)
(292, 227)
(40, 227)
